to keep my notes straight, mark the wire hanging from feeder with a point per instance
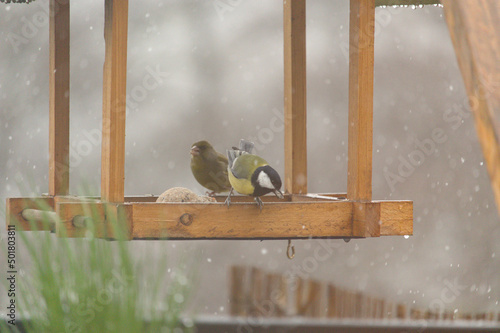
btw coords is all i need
(288, 248)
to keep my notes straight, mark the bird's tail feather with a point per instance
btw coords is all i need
(232, 155)
(246, 147)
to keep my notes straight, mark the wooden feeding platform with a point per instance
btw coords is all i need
(299, 215)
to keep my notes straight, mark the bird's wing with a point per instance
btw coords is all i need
(245, 165)
(221, 158)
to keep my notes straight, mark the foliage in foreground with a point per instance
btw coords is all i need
(94, 285)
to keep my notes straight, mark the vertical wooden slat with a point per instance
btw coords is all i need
(113, 111)
(341, 299)
(316, 299)
(59, 98)
(380, 305)
(277, 293)
(256, 293)
(358, 304)
(360, 132)
(332, 302)
(294, 28)
(308, 298)
(401, 312)
(389, 311)
(367, 308)
(299, 295)
(237, 292)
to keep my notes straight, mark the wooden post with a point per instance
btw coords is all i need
(113, 110)
(360, 130)
(59, 98)
(294, 27)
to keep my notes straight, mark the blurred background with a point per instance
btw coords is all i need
(214, 70)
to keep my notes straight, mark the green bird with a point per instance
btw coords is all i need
(209, 167)
(250, 174)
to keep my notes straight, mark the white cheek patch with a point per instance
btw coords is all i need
(264, 180)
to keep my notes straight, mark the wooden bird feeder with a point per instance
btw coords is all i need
(299, 215)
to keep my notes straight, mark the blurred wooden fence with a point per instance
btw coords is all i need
(256, 293)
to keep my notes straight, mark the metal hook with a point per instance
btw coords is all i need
(290, 246)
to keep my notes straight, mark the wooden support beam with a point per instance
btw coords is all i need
(405, 2)
(475, 31)
(366, 219)
(243, 220)
(59, 97)
(360, 128)
(114, 100)
(222, 198)
(15, 207)
(294, 28)
(102, 220)
(396, 216)
(246, 221)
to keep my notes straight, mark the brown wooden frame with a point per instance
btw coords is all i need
(299, 215)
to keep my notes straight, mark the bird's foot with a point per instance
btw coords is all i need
(259, 202)
(228, 199)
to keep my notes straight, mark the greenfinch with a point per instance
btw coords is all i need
(209, 167)
(250, 174)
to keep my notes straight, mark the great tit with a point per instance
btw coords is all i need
(209, 167)
(250, 174)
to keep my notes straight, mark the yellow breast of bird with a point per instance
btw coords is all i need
(242, 186)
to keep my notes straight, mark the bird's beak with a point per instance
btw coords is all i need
(195, 151)
(278, 194)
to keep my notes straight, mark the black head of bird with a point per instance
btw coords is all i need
(265, 180)
(250, 174)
